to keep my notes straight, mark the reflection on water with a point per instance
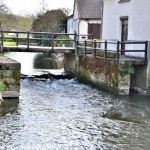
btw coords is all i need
(43, 61)
(30, 62)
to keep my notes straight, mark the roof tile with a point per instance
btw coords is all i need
(89, 9)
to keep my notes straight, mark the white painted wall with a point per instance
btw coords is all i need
(70, 25)
(138, 12)
(111, 19)
(75, 20)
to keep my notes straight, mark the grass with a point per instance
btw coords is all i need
(20, 36)
(7, 43)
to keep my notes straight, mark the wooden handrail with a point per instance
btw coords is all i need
(117, 50)
(53, 37)
(56, 37)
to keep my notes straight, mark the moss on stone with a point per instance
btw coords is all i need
(6, 84)
(16, 75)
(98, 66)
(84, 77)
(1, 74)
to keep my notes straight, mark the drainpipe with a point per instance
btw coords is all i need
(102, 9)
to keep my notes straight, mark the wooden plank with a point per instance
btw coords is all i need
(38, 49)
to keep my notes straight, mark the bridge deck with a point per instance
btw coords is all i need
(38, 49)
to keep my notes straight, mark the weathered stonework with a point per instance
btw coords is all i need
(124, 84)
(106, 75)
(10, 76)
(70, 63)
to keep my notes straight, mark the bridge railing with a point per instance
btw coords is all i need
(44, 39)
(35, 38)
(113, 50)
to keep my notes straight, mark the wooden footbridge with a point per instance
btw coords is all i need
(72, 43)
(37, 42)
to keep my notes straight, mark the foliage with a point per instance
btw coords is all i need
(114, 79)
(14, 22)
(64, 41)
(126, 68)
(51, 21)
(2, 86)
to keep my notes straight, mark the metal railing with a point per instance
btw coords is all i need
(93, 47)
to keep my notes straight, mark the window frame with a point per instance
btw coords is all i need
(123, 1)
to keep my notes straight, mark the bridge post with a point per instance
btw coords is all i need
(85, 49)
(52, 42)
(17, 39)
(94, 48)
(148, 64)
(105, 51)
(2, 39)
(76, 45)
(28, 35)
(75, 36)
(117, 57)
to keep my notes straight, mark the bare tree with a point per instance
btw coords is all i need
(3, 7)
(43, 4)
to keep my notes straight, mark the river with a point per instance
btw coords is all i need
(67, 115)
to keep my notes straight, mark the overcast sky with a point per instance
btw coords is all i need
(33, 6)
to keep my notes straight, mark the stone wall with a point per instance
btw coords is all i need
(10, 77)
(70, 63)
(105, 75)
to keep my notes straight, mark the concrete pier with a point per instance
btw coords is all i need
(10, 77)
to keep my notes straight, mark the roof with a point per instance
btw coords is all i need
(88, 9)
(69, 17)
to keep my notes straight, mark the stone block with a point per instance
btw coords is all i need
(10, 76)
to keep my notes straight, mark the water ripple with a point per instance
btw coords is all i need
(67, 115)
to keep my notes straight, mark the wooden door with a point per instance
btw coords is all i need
(95, 30)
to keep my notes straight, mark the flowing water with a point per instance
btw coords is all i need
(67, 115)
